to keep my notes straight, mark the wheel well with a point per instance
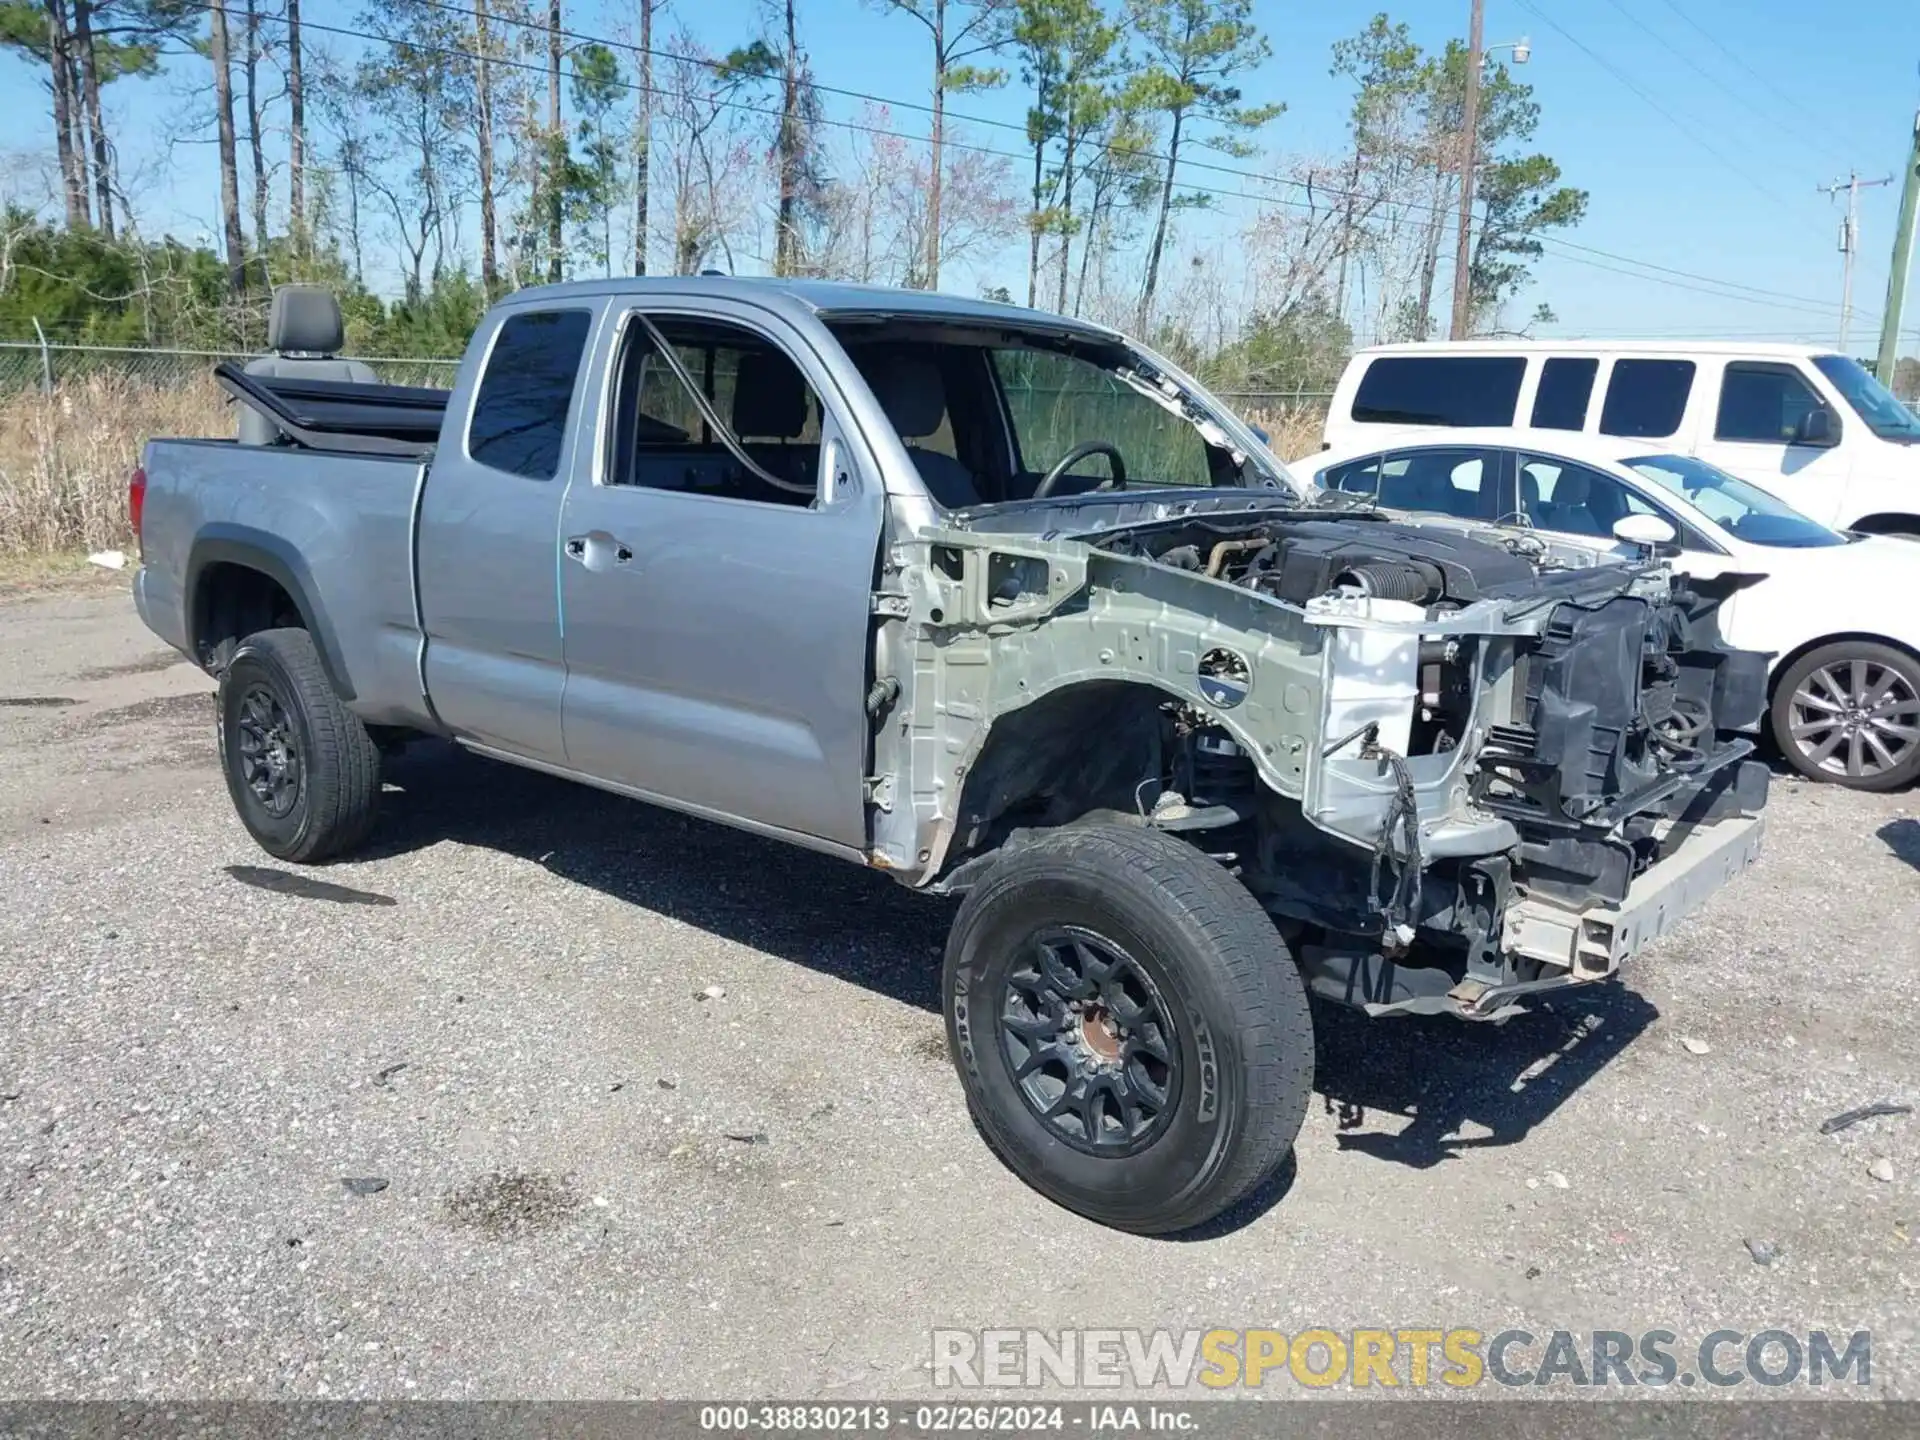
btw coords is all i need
(1889, 524)
(233, 601)
(1038, 768)
(1793, 657)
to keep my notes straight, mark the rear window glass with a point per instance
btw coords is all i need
(520, 413)
(1451, 390)
(1565, 387)
(1646, 398)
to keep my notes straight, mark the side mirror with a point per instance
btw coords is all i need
(1815, 428)
(1260, 434)
(1649, 532)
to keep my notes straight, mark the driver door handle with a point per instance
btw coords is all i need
(597, 549)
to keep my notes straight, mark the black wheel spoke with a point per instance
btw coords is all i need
(1089, 1042)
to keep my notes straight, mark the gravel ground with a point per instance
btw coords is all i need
(583, 1181)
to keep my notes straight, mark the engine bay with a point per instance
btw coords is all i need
(1297, 559)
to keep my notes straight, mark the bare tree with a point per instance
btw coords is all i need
(642, 137)
(296, 134)
(959, 30)
(84, 47)
(709, 155)
(556, 152)
(483, 138)
(256, 139)
(66, 112)
(217, 51)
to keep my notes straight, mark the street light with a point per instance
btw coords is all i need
(1522, 50)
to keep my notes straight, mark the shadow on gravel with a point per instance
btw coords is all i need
(1902, 837)
(285, 882)
(813, 910)
(1443, 1076)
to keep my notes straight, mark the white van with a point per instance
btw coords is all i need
(1809, 425)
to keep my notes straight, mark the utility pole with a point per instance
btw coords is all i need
(1849, 241)
(1902, 256)
(1469, 156)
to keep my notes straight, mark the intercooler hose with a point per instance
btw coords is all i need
(1389, 581)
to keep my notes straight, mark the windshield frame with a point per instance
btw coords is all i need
(1743, 492)
(1867, 397)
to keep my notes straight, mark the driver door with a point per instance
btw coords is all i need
(718, 628)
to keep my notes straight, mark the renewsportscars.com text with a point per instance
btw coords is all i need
(1401, 1357)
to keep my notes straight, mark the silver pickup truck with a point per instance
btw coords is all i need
(1006, 606)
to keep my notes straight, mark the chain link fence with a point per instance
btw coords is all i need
(29, 365)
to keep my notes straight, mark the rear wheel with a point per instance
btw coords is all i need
(1132, 1034)
(303, 776)
(1849, 713)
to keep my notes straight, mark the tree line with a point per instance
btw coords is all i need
(442, 152)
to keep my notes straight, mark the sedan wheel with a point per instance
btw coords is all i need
(1850, 714)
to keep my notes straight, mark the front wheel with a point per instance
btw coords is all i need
(1849, 713)
(303, 775)
(1131, 1033)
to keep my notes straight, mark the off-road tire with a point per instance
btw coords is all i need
(1234, 995)
(337, 781)
(1880, 661)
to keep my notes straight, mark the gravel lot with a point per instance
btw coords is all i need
(494, 1013)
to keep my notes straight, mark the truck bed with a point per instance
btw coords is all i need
(345, 415)
(334, 526)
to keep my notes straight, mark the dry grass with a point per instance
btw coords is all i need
(1295, 430)
(65, 457)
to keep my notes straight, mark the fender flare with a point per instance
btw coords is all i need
(223, 543)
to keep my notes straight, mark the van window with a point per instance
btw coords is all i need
(1565, 387)
(1646, 398)
(519, 419)
(1763, 403)
(1452, 390)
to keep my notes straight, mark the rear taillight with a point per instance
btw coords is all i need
(137, 505)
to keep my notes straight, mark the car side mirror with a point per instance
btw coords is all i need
(1652, 533)
(1260, 434)
(1815, 428)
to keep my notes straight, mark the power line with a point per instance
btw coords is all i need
(1740, 96)
(1715, 41)
(1690, 131)
(1662, 275)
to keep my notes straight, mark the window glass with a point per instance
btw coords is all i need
(1440, 481)
(1744, 511)
(1763, 403)
(1560, 403)
(1059, 401)
(1358, 477)
(519, 419)
(1452, 390)
(1646, 398)
(662, 441)
(1868, 398)
(1574, 499)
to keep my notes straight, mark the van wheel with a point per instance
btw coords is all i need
(303, 775)
(1849, 713)
(1131, 1031)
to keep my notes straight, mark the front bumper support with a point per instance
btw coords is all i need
(1591, 943)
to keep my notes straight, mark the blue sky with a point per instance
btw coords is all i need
(1699, 156)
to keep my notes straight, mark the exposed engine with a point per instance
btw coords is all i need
(1296, 560)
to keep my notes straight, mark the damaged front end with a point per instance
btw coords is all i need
(1456, 777)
